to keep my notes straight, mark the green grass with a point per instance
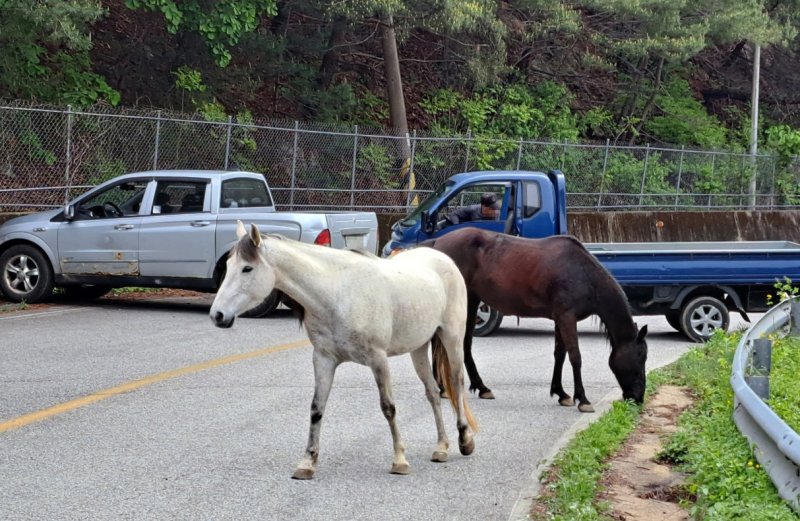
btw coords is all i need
(727, 482)
(572, 479)
(785, 381)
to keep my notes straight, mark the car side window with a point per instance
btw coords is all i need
(119, 200)
(179, 196)
(533, 199)
(244, 193)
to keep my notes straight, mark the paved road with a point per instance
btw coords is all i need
(221, 440)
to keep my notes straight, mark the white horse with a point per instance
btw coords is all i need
(360, 308)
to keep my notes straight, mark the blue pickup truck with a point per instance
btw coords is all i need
(695, 285)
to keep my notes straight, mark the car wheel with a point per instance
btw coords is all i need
(674, 318)
(701, 316)
(267, 306)
(85, 291)
(25, 274)
(487, 320)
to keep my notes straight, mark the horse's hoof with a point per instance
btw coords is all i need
(401, 468)
(566, 402)
(439, 456)
(443, 394)
(486, 395)
(467, 448)
(303, 474)
(586, 407)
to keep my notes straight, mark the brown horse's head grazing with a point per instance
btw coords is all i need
(627, 362)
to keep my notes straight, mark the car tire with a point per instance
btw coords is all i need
(487, 320)
(85, 292)
(25, 274)
(674, 319)
(701, 316)
(267, 306)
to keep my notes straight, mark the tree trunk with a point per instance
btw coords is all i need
(651, 101)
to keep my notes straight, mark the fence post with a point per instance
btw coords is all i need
(680, 172)
(713, 173)
(294, 166)
(564, 155)
(603, 175)
(158, 140)
(469, 140)
(644, 175)
(519, 154)
(228, 143)
(411, 169)
(67, 172)
(353, 170)
(773, 196)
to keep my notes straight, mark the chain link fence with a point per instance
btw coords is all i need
(51, 154)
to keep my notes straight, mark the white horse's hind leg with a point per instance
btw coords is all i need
(380, 370)
(324, 370)
(453, 343)
(423, 368)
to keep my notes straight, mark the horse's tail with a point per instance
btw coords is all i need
(442, 362)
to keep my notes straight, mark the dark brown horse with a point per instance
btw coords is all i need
(555, 278)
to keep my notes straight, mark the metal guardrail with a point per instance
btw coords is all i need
(776, 445)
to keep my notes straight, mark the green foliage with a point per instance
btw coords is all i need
(572, 481)
(376, 161)
(684, 121)
(784, 290)
(784, 385)
(221, 23)
(727, 482)
(46, 52)
(783, 140)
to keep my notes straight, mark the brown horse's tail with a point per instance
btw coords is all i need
(442, 362)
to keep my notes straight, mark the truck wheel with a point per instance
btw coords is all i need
(701, 316)
(674, 319)
(267, 306)
(486, 321)
(25, 274)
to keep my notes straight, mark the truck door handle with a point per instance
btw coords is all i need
(123, 227)
(198, 224)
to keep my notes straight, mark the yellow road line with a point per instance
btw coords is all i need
(61, 408)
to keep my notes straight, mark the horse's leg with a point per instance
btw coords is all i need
(452, 344)
(423, 367)
(380, 370)
(324, 369)
(568, 326)
(475, 381)
(560, 354)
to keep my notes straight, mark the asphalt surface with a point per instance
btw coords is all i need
(221, 441)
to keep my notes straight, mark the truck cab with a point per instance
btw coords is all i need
(531, 204)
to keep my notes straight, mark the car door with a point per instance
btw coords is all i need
(177, 235)
(103, 236)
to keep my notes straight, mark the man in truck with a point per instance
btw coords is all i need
(488, 209)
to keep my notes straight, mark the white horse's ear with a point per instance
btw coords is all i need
(240, 230)
(255, 235)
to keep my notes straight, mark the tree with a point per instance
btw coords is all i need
(45, 51)
(221, 23)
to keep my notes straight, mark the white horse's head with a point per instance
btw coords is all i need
(249, 278)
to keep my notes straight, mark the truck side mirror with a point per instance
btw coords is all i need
(427, 224)
(69, 212)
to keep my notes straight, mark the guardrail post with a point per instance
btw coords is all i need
(794, 328)
(761, 364)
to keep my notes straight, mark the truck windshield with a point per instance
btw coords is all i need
(438, 195)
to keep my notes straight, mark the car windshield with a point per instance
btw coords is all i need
(414, 216)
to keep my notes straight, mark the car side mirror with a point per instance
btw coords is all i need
(69, 212)
(427, 223)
